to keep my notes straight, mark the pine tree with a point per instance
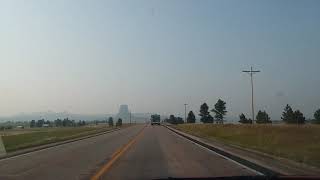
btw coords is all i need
(298, 117)
(210, 119)
(317, 116)
(191, 117)
(172, 119)
(219, 110)
(179, 120)
(293, 117)
(263, 118)
(244, 120)
(119, 122)
(110, 121)
(288, 114)
(205, 114)
(32, 124)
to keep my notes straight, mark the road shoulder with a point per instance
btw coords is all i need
(276, 164)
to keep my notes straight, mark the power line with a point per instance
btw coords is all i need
(251, 72)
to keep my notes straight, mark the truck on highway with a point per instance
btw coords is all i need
(155, 119)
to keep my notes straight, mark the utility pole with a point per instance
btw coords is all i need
(251, 73)
(185, 113)
(130, 117)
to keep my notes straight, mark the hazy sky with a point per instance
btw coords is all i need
(91, 56)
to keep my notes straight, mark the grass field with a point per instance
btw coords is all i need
(299, 143)
(20, 139)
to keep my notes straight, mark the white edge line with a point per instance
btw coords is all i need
(239, 164)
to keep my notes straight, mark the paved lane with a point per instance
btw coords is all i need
(156, 153)
(159, 153)
(77, 160)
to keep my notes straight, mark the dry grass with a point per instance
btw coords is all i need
(299, 143)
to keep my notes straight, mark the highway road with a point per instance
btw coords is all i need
(138, 152)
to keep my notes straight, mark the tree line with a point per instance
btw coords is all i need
(66, 122)
(289, 116)
(70, 123)
(118, 123)
(174, 120)
(261, 118)
(56, 123)
(219, 111)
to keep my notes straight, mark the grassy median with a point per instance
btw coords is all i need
(299, 143)
(41, 136)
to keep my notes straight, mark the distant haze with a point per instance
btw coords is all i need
(89, 57)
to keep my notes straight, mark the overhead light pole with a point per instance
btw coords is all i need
(251, 72)
(185, 112)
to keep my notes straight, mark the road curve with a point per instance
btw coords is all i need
(148, 152)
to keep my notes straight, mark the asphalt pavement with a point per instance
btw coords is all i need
(138, 152)
(76, 160)
(160, 153)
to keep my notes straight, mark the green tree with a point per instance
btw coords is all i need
(172, 119)
(244, 120)
(288, 114)
(40, 123)
(32, 124)
(205, 114)
(317, 116)
(293, 117)
(68, 123)
(48, 123)
(298, 117)
(110, 121)
(179, 120)
(81, 123)
(175, 120)
(263, 118)
(191, 117)
(119, 122)
(220, 111)
(58, 122)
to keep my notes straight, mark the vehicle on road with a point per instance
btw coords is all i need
(155, 119)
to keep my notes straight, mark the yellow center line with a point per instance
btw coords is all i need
(116, 155)
(116, 152)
